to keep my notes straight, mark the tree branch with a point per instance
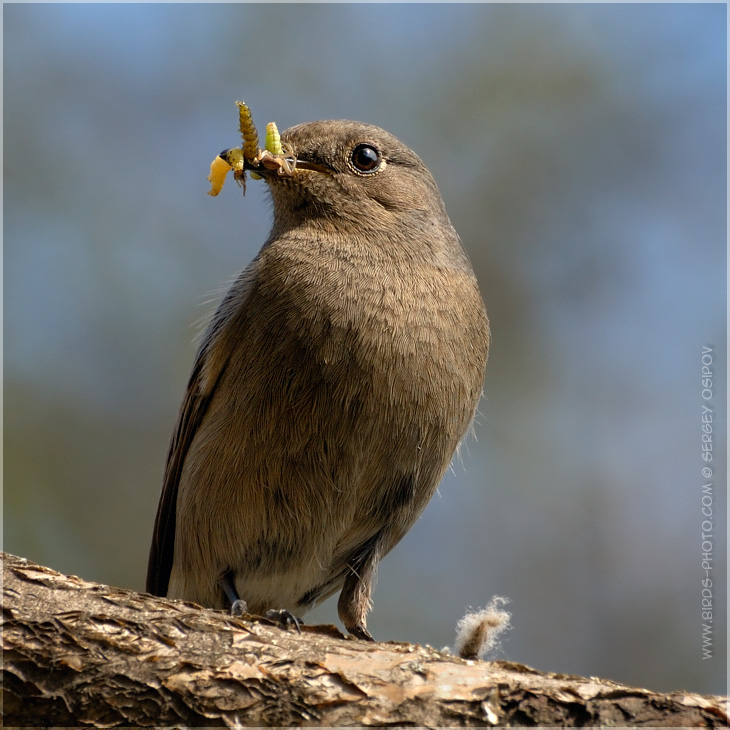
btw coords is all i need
(80, 653)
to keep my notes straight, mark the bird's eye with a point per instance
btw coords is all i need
(365, 158)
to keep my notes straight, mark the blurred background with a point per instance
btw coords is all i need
(581, 153)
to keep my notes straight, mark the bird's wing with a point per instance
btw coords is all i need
(209, 365)
(163, 538)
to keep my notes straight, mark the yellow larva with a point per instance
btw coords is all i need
(273, 139)
(248, 131)
(226, 160)
(218, 170)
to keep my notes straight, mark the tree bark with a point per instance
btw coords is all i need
(80, 653)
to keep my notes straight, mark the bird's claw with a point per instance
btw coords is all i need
(284, 618)
(238, 607)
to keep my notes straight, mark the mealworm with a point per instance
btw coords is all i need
(248, 131)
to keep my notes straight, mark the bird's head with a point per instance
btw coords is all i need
(352, 174)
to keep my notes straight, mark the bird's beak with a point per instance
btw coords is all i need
(305, 165)
(283, 165)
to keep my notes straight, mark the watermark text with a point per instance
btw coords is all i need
(707, 501)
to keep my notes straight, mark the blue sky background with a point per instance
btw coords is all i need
(581, 152)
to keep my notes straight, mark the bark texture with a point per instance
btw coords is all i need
(83, 654)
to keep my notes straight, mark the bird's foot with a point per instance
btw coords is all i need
(238, 607)
(284, 618)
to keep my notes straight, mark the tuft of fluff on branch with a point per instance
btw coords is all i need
(478, 631)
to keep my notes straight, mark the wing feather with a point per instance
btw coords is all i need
(209, 365)
(191, 415)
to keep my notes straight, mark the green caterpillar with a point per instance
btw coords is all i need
(273, 139)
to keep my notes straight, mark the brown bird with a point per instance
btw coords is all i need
(330, 390)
